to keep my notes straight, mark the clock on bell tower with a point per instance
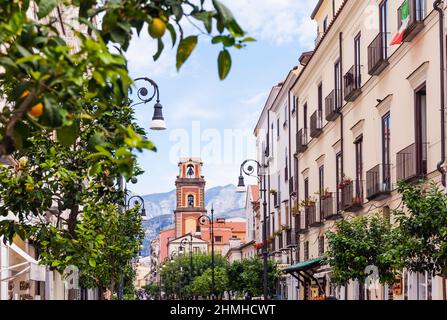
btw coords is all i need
(190, 192)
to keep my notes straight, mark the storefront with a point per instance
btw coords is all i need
(21, 277)
(311, 284)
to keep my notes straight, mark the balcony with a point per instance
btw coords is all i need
(316, 124)
(332, 104)
(301, 140)
(291, 239)
(351, 196)
(302, 225)
(378, 54)
(417, 16)
(412, 163)
(378, 182)
(352, 83)
(311, 213)
(328, 207)
(280, 242)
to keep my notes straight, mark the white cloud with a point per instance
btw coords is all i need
(256, 99)
(278, 21)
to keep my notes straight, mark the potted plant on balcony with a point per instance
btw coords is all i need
(273, 192)
(357, 201)
(308, 202)
(277, 233)
(324, 194)
(285, 228)
(346, 181)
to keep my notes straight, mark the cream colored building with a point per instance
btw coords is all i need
(358, 122)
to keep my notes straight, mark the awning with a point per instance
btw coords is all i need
(305, 265)
(37, 272)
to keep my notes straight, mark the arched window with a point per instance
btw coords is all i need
(191, 201)
(190, 171)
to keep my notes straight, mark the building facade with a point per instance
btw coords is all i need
(359, 118)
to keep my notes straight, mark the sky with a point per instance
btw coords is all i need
(215, 119)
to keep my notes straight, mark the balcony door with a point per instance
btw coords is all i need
(383, 9)
(421, 130)
(338, 82)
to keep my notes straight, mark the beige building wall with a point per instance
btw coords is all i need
(410, 66)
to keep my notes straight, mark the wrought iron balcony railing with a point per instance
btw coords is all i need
(316, 124)
(353, 83)
(412, 162)
(332, 104)
(352, 196)
(301, 140)
(378, 54)
(378, 182)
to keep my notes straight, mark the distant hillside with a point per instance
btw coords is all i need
(160, 206)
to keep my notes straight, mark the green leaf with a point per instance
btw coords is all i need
(21, 133)
(92, 262)
(185, 49)
(206, 18)
(51, 116)
(224, 64)
(159, 50)
(173, 34)
(67, 135)
(45, 7)
(248, 39)
(223, 11)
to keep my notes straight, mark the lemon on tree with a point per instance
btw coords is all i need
(157, 28)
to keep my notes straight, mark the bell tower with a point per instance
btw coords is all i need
(190, 186)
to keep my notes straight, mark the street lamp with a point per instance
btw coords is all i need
(158, 121)
(203, 220)
(138, 199)
(157, 124)
(253, 168)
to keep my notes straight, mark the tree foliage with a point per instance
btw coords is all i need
(37, 65)
(358, 243)
(248, 275)
(172, 278)
(68, 202)
(421, 233)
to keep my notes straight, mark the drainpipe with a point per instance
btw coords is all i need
(437, 6)
(341, 104)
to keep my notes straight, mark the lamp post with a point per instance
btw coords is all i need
(182, 245)
(158, 123)
(202, 220)
(253, 168)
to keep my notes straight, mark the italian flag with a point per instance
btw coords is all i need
(405, 18)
